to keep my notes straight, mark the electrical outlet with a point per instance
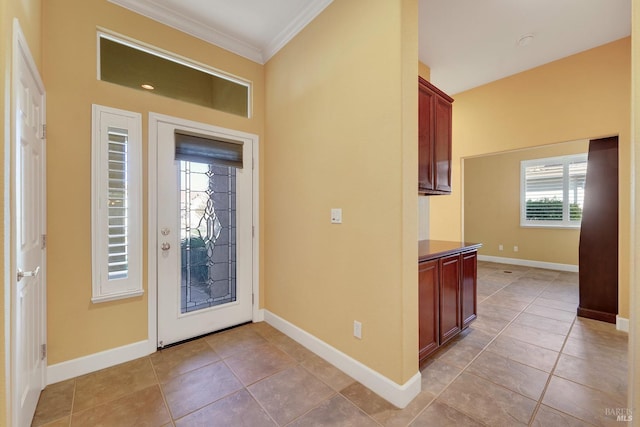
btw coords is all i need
(500, 247)
(357, 329)
(336, 216)
(515, 249)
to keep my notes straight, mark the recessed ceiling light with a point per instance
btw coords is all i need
(147, 86)
(525, 39)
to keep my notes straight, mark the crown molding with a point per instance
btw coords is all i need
(209, 34)
(191, 27)
(294, 27)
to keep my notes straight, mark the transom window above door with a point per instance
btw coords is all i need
(134, 65)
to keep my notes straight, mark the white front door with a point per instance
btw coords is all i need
(28, 303)
(204, 231)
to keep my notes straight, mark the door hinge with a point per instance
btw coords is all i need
(253, 298)
(253, 231)
(253, 163)
(43, 351)
(43, 243)
(44, 131)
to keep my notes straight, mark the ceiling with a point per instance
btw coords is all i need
(255, 29)
(466, 43)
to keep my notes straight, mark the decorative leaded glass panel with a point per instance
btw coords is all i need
(208, 235)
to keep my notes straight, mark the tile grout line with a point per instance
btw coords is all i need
(297, 363)
(591, 387)
(555, 365)
(219, 360)
(112, 399)
(478, 355)
(246, 388)
(223, 361)
(498, 334)
(164, 398)
(336, 393)
(73, 400)
(300, 364)
(496, 337)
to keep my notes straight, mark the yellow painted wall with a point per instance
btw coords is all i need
(341, 129)
(579, 97)
(409, 184)
(424, 71)
(492, 204)
(28, 13)
(76, 327)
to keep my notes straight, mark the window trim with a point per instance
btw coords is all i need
(565, 160)
(103, 289)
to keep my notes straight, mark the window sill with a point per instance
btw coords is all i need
(552, 226)
(119, 295)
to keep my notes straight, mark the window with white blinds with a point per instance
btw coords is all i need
(116, 204)
(552, 191)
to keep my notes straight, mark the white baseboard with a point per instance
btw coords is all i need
(529, 263)
(258, 315)
(95, 362)
(398, 395)
(105, 359)
(622, 324)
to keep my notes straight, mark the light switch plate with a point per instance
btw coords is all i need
(336, 216)
(357, 329)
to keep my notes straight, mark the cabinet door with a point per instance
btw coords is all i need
(442, 145)
(427, 308)
(426, 99)
(468, 288)
(449, 297)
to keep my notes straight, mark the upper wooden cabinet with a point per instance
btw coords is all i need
(434, 139)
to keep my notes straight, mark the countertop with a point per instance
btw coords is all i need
(431, 249)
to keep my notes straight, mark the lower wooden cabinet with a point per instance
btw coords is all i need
(447, 299)
(450, 324)
(469, 287)
(428, 303)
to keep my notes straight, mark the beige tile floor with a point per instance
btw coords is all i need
(526, 360)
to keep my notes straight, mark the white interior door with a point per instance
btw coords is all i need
(204, 235)
(28, 298)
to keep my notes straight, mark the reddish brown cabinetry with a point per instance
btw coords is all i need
(428, 297)
(449, 297)
(447, 277)
(468, 287)
(434, 139)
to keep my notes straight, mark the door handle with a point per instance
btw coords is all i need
(33, 273)
(165, 246)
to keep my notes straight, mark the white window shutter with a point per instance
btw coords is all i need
(116, 204)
